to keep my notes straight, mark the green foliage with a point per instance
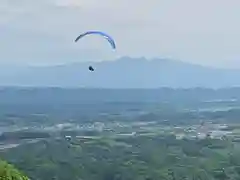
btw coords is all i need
(8, 172)
(143, 158)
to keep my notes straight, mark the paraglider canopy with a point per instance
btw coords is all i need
(106, 36)
(91, 68)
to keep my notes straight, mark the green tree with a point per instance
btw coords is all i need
(8, 172)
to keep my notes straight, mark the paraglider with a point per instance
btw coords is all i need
(106, 36)
(90, 68)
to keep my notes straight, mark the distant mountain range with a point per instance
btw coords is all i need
(125, 72)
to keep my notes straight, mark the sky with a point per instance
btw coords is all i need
(40, 32)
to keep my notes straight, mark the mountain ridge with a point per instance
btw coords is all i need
(125, 72)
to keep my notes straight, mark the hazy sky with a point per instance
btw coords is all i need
(42, 31)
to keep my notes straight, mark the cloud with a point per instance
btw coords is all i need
(205, 32)
(70, 3)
